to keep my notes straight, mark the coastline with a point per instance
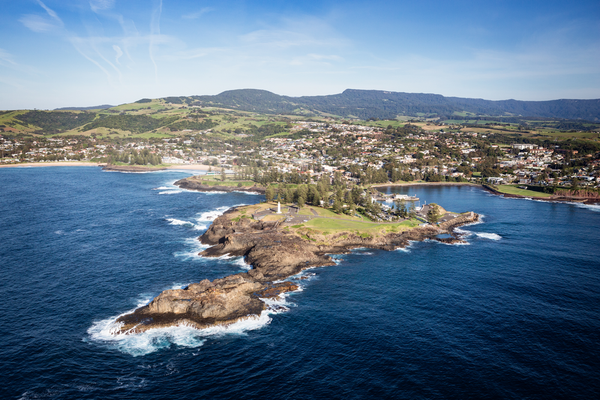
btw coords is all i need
(554, 199)
(426, 184)
(275, 252)
(54, 164)
(191, 184)
(195, 167)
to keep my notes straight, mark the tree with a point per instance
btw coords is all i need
(337, 206)
(401, 207)
(269, 193)
(223, 176)
(412, 210)
(433, 215)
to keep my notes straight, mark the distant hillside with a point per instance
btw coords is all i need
(365, 104)
(102, 107)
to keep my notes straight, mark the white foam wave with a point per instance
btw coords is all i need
(197, 227)
(491, 236)
(240, 262)
(592, 207)
(195, 247)
(407, 248)
(153, 340)
(171, 192)
(277, 305)
(245, 192)
(337, 258)
(173, 221)
(146, 342)
(165, 188)
(213, 214)
(215, 192)
(464, 243)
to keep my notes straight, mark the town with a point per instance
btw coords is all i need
(361, 154)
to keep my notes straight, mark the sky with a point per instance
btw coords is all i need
(58, 53)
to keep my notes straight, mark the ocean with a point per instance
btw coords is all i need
(513, 314)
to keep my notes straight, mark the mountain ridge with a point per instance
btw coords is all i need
(365, 104)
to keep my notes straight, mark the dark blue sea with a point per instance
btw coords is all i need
(514, 314)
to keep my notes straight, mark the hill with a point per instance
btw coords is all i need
(365, 104)
(101, 107)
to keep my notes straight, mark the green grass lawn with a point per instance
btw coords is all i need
(326, 224)
(226, 182)
(305, 211)
(323, 212)
(510, 189)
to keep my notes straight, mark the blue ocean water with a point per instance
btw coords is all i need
(514, 314)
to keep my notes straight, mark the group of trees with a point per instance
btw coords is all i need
(134, 157)
(132, 123)
(56, 121)
(335, 196)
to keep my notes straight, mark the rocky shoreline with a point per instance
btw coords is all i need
(556, 199)
(192, 184)
(274, 254)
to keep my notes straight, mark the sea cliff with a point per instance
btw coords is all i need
(275, 253)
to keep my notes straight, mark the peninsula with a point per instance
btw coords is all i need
(278, 242)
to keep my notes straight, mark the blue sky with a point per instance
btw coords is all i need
(56, 53)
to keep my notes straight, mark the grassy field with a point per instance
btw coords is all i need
(510, 189)
(328, 225)
(383, 123)
(216, 181)
(323, 212)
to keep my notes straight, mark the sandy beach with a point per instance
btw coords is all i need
(195, 167)
(54, 164)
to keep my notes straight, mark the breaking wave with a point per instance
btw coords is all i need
(171, 192)
(161, 338)
(153, 340)
(214, 214)
(197, 227)
(491, 236)
(194, 247)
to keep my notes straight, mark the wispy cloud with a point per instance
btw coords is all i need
(197, 14)
(7, 59)
(98, 5)
(38, 23)
(155, 31)
(119, 53)
(51, 13)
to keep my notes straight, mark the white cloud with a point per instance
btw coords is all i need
(6, 58)
(119, 53)
(38, 24)
(197, 14)
(97, 5)
(50, 12)
(41, 24)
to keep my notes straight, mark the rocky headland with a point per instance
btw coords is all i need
(193, 183)
(275, 253)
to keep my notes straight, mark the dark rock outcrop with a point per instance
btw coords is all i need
(192, 183)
